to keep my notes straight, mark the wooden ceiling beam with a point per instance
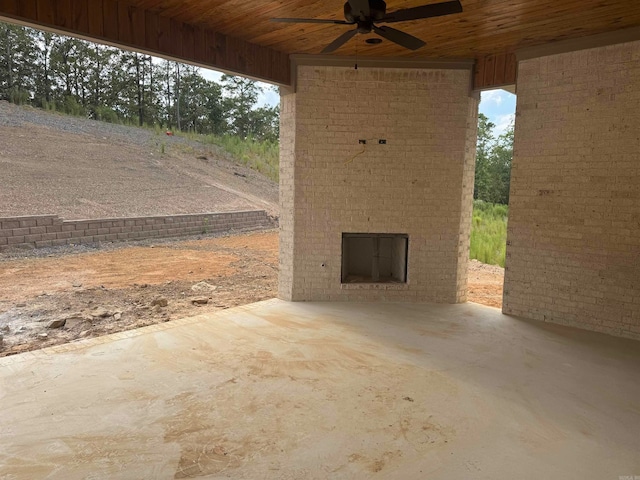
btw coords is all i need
(495, 71)
(119, 23)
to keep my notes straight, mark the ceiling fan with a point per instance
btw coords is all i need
(365, 13)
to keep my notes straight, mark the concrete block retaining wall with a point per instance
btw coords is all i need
(49, 230)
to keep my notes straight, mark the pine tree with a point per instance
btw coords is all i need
(105, 83)
(493, 163)
(241, 96)
(17, 61)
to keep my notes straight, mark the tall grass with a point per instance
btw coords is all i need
(489, 232)
(260, 155)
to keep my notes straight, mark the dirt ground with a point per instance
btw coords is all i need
(127, 287)
(79, 168)
(106, 291)
(82, 169)
(485, 284)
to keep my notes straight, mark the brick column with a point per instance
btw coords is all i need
(573, 254)
(419, 183)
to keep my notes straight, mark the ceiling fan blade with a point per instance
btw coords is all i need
(341, 40)
(396, 36)
(310, 20)
(360, 8)
(425, 11)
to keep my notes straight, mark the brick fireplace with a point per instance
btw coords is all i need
(382, 160)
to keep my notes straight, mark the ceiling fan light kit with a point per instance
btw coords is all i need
(364, 14)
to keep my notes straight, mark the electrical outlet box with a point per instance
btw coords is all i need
(382, 141)
(362, 142)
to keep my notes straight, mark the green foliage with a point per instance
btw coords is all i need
(201, 106)
(77, 77)
(45, 105)
(265, 123)
(19, 96)
(260, 155)
(17, 59)
(489, 232)
(493, 163)
(241, 95)
(105, 114)
(71, 106)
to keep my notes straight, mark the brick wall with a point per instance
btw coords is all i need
(50, 230)
(574, 222)
(286, 192)
(419, 183)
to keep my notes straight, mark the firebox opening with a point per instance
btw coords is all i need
(374, 257)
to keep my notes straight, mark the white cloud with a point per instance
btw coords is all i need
(493, 96)
(211, 75)
(499, 106)
(269, 97)
(502, 122)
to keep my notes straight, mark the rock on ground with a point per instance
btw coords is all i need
(58, 323)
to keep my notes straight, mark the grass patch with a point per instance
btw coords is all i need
(489, 232)
(260, 155)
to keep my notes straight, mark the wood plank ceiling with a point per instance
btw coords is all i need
(238, 36)
(484, 27)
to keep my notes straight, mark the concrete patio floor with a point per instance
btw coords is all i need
(279, 390)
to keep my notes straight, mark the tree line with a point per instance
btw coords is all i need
(493, 163)
(78, 77)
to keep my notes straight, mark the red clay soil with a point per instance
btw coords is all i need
(485, 283)
(126, 287)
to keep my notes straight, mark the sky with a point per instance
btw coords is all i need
(268, 96)
(498, 105)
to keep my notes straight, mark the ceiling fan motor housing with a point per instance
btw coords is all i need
(378, 9)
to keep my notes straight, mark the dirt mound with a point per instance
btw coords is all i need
(79, 168)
